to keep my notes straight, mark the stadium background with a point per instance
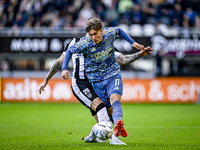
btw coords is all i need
(33, 34)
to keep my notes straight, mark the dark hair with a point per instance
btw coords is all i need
(93, 23)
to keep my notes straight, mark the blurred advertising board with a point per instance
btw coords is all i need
(176, 46)
(158, 90)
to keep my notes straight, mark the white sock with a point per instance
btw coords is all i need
(103, 115)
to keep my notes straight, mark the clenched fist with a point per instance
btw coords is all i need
(65, 74)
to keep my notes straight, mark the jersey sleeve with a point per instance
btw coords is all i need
(68, 53)
(117, 54)
(66, 60)
(124, 35)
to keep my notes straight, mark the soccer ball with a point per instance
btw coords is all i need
(103, 130)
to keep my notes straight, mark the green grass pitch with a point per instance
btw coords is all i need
(50, 126)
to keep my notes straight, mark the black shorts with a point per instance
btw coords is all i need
(83, 91)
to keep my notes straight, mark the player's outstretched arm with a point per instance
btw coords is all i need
(54, 68)
(125, 36)
(127, 59)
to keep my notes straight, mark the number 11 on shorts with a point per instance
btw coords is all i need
(116, 84)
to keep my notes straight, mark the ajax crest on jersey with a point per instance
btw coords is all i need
(103, 130)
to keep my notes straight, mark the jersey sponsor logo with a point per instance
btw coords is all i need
(87, 93)
(102, 53)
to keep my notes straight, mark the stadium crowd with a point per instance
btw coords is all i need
(61, 14)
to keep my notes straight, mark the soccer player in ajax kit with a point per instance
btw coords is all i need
(101, 67)
(80, 84)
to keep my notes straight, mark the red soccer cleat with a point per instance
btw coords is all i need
(119, 129)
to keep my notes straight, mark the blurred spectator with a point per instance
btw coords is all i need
(164, 12)
(67, 22)
(1, 8)
(19, 21)
(183, 3)
(55, 22)
(100, 9)
(10, 16)
(80, 22)
(126, 16)
(37, 11)
(86, 12)
(125, 5)
(177, 15)
(78, 4)
(49, 5)
(46, 19)
(189, 16)
(195, 6)
(149, 9)
(111, 16)
(72, 12)
(3, 21)
(124, 9)
(137, 14)
(26, 6)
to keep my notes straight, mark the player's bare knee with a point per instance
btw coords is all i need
(96, 102)
(114, 97)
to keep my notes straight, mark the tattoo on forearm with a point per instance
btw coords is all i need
(56, 66)
(131, 58)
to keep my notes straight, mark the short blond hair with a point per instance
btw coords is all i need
(93, 23)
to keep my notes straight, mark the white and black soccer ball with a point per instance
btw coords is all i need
(103, 130)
